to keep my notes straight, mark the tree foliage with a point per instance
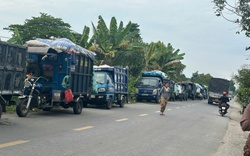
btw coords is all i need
(44, 26)
(243, 81)
(201, 78)
(238, 12)
(115, 44)
(106, 41)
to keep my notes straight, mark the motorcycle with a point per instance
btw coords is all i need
(33, 93)
(223, 109)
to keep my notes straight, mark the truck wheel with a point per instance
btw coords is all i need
(0, 111)
(109, 103)
(77, 107)
(21, 109)
(122, 102)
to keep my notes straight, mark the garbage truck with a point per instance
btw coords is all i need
(216, 87)
(149, 85)
(110, 86)
(12, 73)
(59, 73)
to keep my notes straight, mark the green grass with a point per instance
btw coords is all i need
(10, 109)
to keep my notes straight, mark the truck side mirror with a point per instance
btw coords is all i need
(107, 81)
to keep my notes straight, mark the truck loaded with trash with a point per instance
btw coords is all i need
(110, 86)
(12, 73)
(149, 85)
(216, 87)
(59, 73)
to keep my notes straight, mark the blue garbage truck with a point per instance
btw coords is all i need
(110, 86)
(12, 73)
(59, 73)
(149, 85)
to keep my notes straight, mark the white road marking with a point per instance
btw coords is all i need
(143, 114)
(119, 120)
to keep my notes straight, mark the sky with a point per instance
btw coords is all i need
(210, 43)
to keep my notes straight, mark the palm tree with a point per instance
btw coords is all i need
(166, 58)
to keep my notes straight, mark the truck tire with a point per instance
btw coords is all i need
(122, 102)
(34, 69)
(77, 107)
(109, 103)
(21, 110)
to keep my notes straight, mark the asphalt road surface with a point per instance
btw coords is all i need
(189, 128)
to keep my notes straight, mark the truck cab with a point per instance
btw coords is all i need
(110, 86)
(149, 85)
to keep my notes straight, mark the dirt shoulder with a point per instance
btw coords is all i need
(234, 139)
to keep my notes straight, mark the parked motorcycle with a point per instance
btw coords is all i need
(34, 93)
(223, 109)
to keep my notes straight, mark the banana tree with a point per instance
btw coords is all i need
(107, 41)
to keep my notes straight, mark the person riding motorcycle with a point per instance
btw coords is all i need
(223, 100)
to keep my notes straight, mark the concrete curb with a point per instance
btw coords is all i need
(234, 139)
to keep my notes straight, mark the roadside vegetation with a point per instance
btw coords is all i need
(115, 43)
(238, 12)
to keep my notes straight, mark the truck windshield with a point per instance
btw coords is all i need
(148, 81)
(100, 77)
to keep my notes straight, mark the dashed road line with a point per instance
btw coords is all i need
(13, 143)
(119, 120)
(177, 107)
(143, 114)
(83, 128)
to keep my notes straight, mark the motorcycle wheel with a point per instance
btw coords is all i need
(21, 110)
(77, 107)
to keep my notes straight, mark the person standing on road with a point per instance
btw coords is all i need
(164, 92)
(245, 126)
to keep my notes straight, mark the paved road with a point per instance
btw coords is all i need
(190, 128)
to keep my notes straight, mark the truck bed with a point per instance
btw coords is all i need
(12, 68)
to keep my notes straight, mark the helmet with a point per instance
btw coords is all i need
(224, 93)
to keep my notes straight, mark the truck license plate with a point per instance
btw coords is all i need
(100, 97)
(144, 94)
(92, 96)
